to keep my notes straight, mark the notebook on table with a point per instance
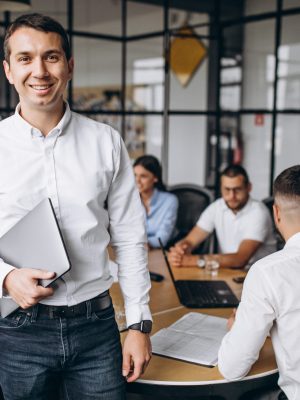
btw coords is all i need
(194, 338)
(202, 294)
(34, 242)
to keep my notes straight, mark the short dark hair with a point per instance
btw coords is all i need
(287, 183)
(40, 23)
(235, 170)
(151, 163)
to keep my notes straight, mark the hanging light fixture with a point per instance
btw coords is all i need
(15, 5)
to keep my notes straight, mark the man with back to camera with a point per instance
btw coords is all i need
(270, 299)
(68, 334)
(243, 226)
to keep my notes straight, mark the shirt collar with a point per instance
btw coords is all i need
(240, 212)
(293, 240)
(31, 131)
(154, 197)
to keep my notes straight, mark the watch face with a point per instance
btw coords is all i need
(201, 263)
(147, 326)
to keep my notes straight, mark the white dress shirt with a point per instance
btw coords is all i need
(252, 222)
(83, 166)
(270, 301)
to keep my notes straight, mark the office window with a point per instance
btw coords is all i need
(98, 16)
(145, 75)
(231, 82)
(289, 64)
(193, 95)
(147, 82)
(259, 65)
(179, 18)
(247, 82)
(187, 149)
(253, 7)
(230, 97)
(256, 131)
(143, 18)
(287, 142)
(97, 74)
(291, 4)
(143, 135)
(231, 141)
(56, 9)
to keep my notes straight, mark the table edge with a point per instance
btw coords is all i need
(210, 382)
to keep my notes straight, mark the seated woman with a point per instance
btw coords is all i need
(160, 206)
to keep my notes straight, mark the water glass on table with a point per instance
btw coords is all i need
(212, 267)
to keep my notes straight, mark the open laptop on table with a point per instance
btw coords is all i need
(202, 294)
(34, 242)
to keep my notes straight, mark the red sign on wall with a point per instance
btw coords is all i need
(259, 119)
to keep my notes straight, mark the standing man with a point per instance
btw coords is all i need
(68, 334)
(243, 226)
(270, 299)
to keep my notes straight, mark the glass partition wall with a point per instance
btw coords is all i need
(199, 84)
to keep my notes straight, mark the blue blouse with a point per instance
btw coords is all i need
(161, 219)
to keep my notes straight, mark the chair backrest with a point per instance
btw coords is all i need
(269, 201)
(193, 200)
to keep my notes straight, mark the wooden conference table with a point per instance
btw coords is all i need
(180, 379)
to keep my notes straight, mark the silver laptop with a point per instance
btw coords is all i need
(34, 242)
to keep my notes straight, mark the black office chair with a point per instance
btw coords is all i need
(193, 200)
(269, 201)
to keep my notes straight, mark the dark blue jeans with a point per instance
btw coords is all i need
(81, 356)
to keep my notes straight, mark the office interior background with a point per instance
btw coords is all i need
(237, 100)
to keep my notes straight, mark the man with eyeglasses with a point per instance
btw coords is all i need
(243, 227)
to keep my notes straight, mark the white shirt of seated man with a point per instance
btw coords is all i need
(243, 227)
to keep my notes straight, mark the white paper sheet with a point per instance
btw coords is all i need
(195, 338)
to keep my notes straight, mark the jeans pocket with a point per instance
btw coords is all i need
(15, 321)
(103, 315)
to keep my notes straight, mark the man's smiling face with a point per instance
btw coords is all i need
(38, 68)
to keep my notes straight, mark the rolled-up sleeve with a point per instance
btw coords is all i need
(207, 218)
(255, 315)
(128, 238)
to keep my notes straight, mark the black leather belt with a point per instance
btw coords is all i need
(96, 304)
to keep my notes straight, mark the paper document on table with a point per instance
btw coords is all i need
(194, 338)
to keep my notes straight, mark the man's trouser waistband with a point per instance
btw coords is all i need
(98, 303)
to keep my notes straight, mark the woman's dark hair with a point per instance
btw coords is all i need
(40, 23)
(151, 163)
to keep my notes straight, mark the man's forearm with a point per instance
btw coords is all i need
(194, 238)
(230, 260)
(225, 260)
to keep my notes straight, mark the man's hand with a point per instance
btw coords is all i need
(231, 319)
(176, 253)
(136, 354)
(23, 286)
(190, 261)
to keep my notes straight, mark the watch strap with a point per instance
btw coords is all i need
(144, 326)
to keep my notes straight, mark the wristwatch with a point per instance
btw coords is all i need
(144, 326)
(201, 262)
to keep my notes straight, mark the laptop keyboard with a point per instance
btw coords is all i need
(205, 293)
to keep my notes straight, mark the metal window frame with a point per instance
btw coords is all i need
(218, 26)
